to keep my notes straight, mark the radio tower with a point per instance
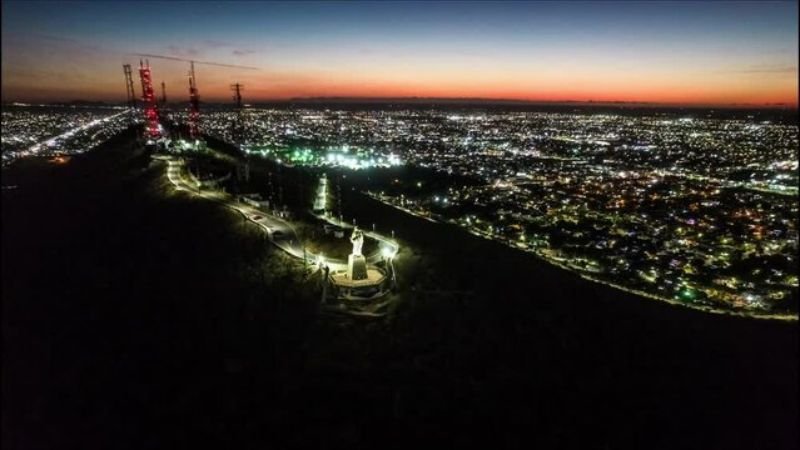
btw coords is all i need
(149, 101)
(238, 124)
(237, 95)
(194, 104)
(238, 128)
(131, 95)
(129, 85)
(163, 93)
(194, 101)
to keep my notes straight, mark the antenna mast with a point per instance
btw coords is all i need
(194, 104)
(149, 101)
(130, 93)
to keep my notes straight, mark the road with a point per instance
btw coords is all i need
(34, 149)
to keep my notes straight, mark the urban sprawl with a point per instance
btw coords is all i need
(701, 211)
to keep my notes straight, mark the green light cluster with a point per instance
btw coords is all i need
(330, 157)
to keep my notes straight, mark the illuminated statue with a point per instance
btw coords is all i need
(357, 238)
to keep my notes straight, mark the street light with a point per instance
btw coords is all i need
(387, 252)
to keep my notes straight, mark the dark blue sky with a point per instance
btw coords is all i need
(650, 51)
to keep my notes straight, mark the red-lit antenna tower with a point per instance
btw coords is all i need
(194, 104)
(194, 99)
(149, 101)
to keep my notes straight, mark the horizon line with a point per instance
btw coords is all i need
(465, 100)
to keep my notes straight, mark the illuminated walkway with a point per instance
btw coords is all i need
(288, 241)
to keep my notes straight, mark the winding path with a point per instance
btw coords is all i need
(288, 241)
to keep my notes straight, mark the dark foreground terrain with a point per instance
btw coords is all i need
(133, 318)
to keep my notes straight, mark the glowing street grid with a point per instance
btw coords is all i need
(42, 130)
(700, 211)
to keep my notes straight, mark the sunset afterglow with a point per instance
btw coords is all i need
(703, 53)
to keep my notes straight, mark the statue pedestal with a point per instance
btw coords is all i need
(356, 267)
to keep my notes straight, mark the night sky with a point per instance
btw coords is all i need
(703, 53)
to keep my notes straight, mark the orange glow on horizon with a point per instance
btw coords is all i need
(675, 53)
(545, 86)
